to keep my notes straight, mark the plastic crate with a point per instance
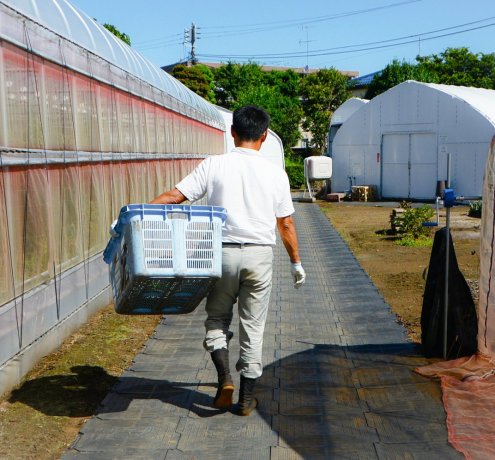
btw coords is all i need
(166, 258)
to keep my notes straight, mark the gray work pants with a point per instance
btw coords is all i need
(247, 279)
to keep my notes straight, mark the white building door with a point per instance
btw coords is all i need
(409, 165)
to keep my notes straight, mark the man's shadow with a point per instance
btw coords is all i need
(318, 401)
(80, 393)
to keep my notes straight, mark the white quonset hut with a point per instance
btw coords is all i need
(399, 141)
(340, 116)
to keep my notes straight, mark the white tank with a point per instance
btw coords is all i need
(318, 168)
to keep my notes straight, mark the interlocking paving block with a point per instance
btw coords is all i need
(228, 431)
(394, 428)
(158, 435)
(371, 338)
(240, 453)
(114, 403)
(146, 410)
(285, 453)
(319, 453)
(318, 400)
(417, 451)
(423, 398)
(317, 374)
(321, 432)
(385, 375)
(378, 328)
(161, 347)
(355, 418)
(268, 403)
(186, 377)
(116, 454)
(362, 314)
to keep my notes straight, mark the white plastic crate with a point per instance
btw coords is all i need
(166, 258)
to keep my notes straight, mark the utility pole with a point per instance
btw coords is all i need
(190, 38)
(307, 41)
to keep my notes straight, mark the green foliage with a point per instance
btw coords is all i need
(395, 73)
(322, 93)
(277, 92)
(454, 66)
(232, 79)
(124, 37)
(197, 78)
(295, 171)
(410, 222)
(421, 242)
(475, 208)
(287, 82)
(461, 67)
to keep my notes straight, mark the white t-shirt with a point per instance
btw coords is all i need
(253, 190)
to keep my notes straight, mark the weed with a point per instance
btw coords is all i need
(410, 222)
(420, 242)
(475, 208)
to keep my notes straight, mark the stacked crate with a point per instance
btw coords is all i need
(363, 193)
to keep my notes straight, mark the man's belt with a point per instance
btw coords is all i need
(242, 245)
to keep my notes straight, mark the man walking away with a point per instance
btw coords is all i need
(256, 195)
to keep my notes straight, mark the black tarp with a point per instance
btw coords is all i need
(462, 326)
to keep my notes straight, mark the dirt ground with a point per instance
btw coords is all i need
(399, 272)
(42, 417)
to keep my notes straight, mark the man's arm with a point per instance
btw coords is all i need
(287, 231)
(173, 196)
(288, 234)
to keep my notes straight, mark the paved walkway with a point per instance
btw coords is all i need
(338, 380)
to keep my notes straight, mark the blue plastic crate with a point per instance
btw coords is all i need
(166, 258)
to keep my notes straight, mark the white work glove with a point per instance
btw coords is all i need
(113, 233)
(298, 273)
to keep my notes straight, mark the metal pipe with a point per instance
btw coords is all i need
(447, 243)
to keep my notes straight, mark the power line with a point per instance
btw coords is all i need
(154, 40)
(298, 22)
(364, 46)
(203, 32)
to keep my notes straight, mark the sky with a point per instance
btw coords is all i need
(362, 35)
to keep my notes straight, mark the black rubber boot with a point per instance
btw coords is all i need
(223, 398)
(247, 402)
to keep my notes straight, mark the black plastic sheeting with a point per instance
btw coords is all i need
(462, 326)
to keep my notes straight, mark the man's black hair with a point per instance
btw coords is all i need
(250, 122)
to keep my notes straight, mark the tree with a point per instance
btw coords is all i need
(197, 78)
(322, 93)
(285, 111)
(398, 72)
(461, 67)
(232, 79)
(286, 81)
(124, 37)
(454, 66)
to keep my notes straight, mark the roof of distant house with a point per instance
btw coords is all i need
(364, 80)
(267, 68)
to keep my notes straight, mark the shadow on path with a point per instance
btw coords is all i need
(327, 401)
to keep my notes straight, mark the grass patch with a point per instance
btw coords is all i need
(42, 417)
(410, 241)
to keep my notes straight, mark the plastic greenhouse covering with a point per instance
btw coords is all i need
(468, 383)
(61, 32)
(87, 126)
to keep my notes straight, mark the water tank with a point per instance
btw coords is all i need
(318, 168)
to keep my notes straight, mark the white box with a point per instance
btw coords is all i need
(318, 168)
